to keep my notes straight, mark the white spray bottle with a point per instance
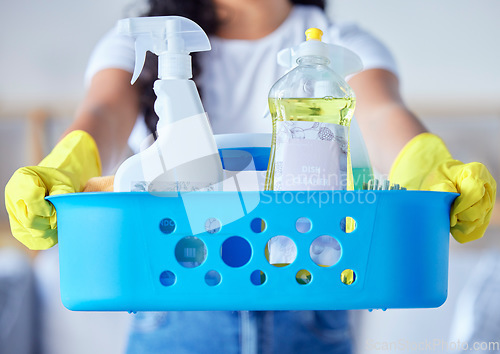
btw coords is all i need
(184, 157)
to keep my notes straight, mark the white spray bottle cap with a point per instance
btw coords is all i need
(172, 38)
(343, 61)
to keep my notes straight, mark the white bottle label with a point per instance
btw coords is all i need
(184, 158)
(310, 156)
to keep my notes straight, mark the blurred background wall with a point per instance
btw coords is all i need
(446, 50)
(448, 55)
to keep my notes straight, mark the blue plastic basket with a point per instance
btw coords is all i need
(120, 251)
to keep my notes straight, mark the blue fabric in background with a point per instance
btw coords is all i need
(19, 308)
(240, 332)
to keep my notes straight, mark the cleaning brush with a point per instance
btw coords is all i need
(381, 185)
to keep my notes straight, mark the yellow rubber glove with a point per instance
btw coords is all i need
(426, 164)
(72, 162)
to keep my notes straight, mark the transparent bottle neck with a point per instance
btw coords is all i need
(313, 60)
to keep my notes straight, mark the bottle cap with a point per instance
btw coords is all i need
(341, 60)
(314, 34)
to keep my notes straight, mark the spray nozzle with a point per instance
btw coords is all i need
(343, 61)
(172, 38)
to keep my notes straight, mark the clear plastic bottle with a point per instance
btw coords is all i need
(311, 107)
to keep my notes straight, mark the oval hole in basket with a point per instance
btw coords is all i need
(167, 278)
(258, 225)
(212, 225)
(325, 251)
(280, 251)
(212, 278)
(190, 252)
(167, 226)
(236, 251)
(303, 225)
(348, 276)
(303, 277)
(348, 224)
(258, 277)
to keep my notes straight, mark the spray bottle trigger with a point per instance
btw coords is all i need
(142, 45)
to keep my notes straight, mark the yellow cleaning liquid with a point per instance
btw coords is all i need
(322, 110)
(311, 107)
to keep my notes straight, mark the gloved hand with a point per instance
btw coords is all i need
(426, 164)
(72, 162)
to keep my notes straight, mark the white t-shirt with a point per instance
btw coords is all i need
(238, 74)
